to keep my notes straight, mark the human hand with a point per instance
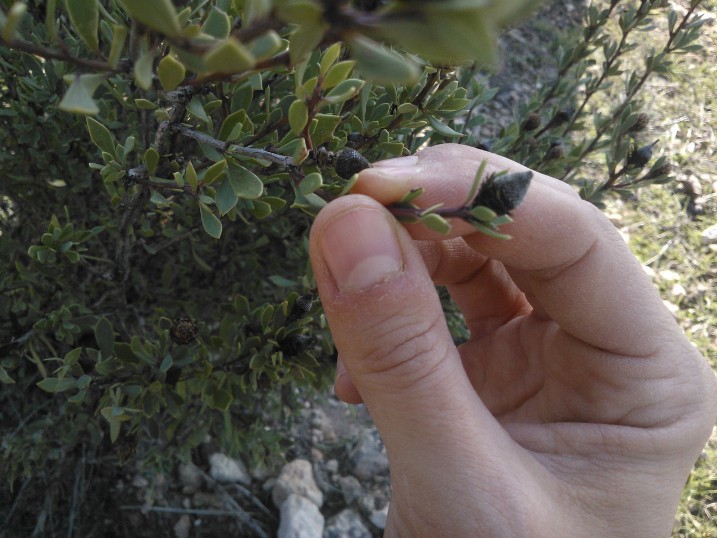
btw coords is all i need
(577, 408)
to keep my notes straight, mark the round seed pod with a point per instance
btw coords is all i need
(350, 162)
(643, 120)
(183, 331)
(503, 193)
(301, 307)
(641, 156)
(295, 344)
(532, 122)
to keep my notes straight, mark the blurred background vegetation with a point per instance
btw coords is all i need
(160, 165)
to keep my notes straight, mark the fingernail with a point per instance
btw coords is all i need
(400, 162)
(361, 249)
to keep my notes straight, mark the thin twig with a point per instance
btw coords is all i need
(171, 510)
(228, 149)
(58, 54)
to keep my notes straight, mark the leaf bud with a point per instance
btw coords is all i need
(503, 193)
(350, 162)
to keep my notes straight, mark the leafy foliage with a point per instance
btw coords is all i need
(161, 165)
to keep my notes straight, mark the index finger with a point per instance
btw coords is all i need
(574, 260)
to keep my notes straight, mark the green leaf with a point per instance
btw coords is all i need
(171, 72)
(244, 182)
(78, 99)
(104, 336)
(444, 32)
(220, 399)
(54, 384)
(476, 182)
(5, 377)
(344, 91)
(232, 121)
(151, 159)
(338, 73)
(380, 64)
(217, 24)
(226, 198)
(442, 129)
(436, 223)
(191, 176)
(144, 104)
(84, 15)
(155, 14)
(300, 12)
(311, 183)
(101, 136)
(119, 35)
(212, 225)
(266, 45)
(483, 214)
(166, 363)
(197, 109)
(214, 172)
(13, 19)
(143, 69)
(304, 40)
(298, 116)
(329, 58)
(50, 19)
(230, 56)
(158, 199)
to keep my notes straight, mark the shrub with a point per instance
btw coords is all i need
(160, 168)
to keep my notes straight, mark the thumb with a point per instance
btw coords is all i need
(389, 329)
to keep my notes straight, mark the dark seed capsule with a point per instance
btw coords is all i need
(350, 162)
(302, 306)
(295, 344)
(643, 120)
(641, 156)
(532, 122)
(561, 117)
(183, 331)
(485, 145)
(556, 151)
(664, 170)
(503, 193)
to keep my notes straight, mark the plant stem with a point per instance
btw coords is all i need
(62, 55)
(224, 147)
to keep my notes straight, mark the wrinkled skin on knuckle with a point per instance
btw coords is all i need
(406, 349)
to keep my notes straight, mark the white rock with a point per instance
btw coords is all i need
(678, 290)
(350, 488)
(709, 235)
(332, 466)
(346, 524)
(190, 477)
(368, 457)
(668, 275)
(140, 482)
(379, 517)
(300, 518)
(225, 469)
(182, 527)
(296, 477)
